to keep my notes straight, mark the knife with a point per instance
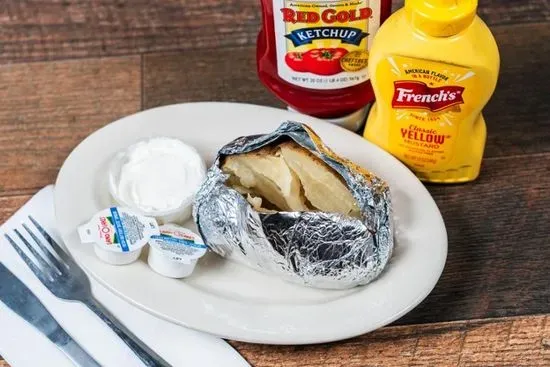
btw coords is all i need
(21, 300)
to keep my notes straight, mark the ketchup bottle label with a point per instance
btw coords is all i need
(324, 44)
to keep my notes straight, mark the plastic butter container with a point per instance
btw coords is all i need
(119, 234)
(174, 253)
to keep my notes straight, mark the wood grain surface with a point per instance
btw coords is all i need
(499, 248)
(35, 30)
(204, 75)
(516, 342)
(46, 109)
(491, 306)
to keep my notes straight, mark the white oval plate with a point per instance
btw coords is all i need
(228, 299)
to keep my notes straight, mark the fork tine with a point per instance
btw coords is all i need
(42, 263)
(45, 250)
(35, 269)
(55, 246)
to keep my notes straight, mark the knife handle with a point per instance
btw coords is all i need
(144, 353)
(71, 349)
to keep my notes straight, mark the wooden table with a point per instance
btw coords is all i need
(72, 66)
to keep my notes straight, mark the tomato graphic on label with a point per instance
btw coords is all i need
(295, 61)
(324, 61)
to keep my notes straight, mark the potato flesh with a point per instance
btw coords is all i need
(324, 190)
(269, 177)
(291, 178)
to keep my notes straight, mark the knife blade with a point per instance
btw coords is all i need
(20, 299)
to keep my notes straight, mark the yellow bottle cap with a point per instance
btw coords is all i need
(441, 18)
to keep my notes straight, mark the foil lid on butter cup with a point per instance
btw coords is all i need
(316, 249)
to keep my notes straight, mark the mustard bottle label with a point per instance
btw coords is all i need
(324, 44)
(429, 102)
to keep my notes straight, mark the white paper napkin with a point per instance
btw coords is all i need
(21, 345)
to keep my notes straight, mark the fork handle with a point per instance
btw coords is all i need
(145, 354)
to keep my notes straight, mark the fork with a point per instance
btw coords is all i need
(66, 280)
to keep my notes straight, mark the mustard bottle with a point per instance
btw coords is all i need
(433, 65)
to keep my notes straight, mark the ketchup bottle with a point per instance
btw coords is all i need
(313, 55)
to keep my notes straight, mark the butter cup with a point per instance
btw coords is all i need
(116, 258)
(115, 242)
(165, 266)
(175, 252)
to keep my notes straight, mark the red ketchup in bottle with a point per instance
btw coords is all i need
(313, 55)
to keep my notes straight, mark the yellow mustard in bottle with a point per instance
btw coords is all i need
(433, 65)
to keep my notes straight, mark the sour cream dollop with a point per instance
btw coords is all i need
(158, 176)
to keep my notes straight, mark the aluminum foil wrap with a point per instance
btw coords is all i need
(316, 249)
